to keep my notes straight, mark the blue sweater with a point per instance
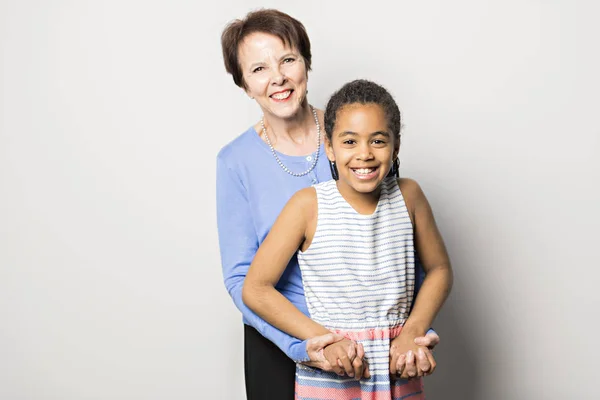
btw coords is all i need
(251, 192)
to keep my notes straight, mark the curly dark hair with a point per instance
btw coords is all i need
(271, 21)
(363, 91)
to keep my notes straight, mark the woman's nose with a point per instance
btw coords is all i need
(277, 78)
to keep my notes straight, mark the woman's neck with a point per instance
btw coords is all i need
(298, 130)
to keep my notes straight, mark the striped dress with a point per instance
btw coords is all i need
(359, 277)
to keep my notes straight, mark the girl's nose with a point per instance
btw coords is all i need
(364, 153)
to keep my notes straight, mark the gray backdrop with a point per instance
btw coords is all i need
(111, 115)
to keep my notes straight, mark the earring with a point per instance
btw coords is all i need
(394, 171)
(334, 171)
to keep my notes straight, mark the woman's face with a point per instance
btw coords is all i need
(275, 74)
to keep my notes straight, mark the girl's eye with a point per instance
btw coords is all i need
(349, 141)
(378, 141)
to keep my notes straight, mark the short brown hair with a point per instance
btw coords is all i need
(277, 23)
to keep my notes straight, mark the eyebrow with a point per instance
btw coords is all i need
(350, 133)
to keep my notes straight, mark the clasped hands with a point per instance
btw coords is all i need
(410, 356)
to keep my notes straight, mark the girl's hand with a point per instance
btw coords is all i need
(347, 358)
(404, 354)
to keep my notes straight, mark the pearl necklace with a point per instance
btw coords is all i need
(286, 169)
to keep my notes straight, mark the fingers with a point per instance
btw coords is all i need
(393, 362)
(326, 360)
(340, 356)
(399, 364)
(332, 359)
(423, 364)
(345, 362)
(431, 359)
(352, 350)
(360, 351)
(366, 372)
(430, 340)
(319, 342)
(360, 354)
(314, 348)
(322, 365)
(358, 364)
(410, 369)
(346, 358)
(358, 367)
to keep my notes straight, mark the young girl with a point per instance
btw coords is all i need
(357, 239)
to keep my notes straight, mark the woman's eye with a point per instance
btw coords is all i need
(258, 69)
(288, 60)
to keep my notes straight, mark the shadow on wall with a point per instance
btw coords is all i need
(457, 374)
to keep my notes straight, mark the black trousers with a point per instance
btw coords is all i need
(269, 373)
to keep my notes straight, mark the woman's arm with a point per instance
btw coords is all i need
(238, 244)
(283, 241)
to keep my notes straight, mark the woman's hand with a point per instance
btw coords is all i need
(430, 340)
(314, 348)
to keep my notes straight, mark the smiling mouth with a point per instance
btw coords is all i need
(282, 95)
(365, 173)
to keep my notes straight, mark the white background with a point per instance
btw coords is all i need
(111, 115)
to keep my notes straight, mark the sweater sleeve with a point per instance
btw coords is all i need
(238, 243)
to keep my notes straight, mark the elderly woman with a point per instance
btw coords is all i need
(268, 55)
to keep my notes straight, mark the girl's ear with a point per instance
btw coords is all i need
(329, 149)
(396, 149)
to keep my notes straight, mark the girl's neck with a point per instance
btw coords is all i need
(362, 203)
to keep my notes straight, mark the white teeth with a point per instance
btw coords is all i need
(364, 171)
(282, 96)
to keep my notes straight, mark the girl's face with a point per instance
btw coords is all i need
(275, 74)
(362, 147)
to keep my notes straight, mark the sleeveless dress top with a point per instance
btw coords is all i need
(359, 276)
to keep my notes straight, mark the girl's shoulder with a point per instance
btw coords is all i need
(304, 198)
(411, 191)
(408, 185)
(303, 204)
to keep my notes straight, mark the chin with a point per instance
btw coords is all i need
(286, 112)
(363, 187)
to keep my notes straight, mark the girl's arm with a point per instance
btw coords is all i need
(285, 238)
(294, 228)
(434, 258)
